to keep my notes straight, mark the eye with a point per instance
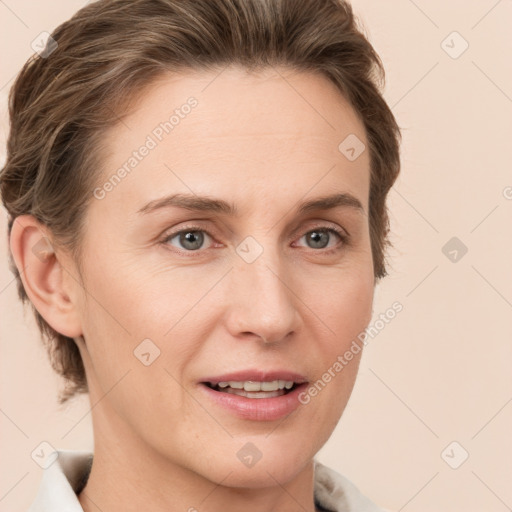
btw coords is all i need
(320, 237)
(190, 239)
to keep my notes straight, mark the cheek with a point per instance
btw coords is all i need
(344, 305)
(142, 314)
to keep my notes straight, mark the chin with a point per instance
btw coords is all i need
(261, 475)
(251, 468)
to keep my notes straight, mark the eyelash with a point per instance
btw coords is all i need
(322, 228)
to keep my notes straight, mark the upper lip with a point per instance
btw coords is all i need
(256, 376)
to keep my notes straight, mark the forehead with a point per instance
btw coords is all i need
(232, 132)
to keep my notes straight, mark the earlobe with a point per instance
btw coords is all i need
(42, 274)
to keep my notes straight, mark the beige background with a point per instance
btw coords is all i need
(441, 370)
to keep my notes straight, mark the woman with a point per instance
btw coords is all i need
(197, 202)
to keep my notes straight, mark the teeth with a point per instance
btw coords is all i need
(249, 385)
(255, 394)
(269, 386)
(253, 386)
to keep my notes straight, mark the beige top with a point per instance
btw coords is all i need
(65, 478)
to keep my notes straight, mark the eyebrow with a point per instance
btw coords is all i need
(209, 204)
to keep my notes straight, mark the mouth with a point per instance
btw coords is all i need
(254, 389)
(255, 395)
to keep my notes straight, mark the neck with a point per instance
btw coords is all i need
(128, 474)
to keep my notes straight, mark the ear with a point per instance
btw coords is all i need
(45, 274)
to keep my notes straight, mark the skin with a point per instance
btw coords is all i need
(266, 146)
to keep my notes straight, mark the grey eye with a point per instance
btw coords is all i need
(190, 240)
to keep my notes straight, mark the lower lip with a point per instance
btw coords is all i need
(257, 409)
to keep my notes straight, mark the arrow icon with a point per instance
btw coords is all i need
(454, 45)
(249, 249)
(249, 454)
(454, 249)
(143, 354)
(351, 147)
(454, 455)
(44, 454)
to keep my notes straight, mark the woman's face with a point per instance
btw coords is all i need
(253, 289)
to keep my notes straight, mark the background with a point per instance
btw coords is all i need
(428, 425)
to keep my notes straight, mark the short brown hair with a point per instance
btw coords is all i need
(63, 101)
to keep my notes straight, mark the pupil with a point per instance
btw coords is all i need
(315, 235)
(192, 237)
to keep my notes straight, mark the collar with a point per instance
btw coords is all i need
(63, 480)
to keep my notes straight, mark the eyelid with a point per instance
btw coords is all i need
(171, 234)
(321, 224)
(330, 228)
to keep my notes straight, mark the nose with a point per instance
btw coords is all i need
(263, 303)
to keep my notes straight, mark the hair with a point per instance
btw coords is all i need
(64, 99)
